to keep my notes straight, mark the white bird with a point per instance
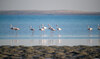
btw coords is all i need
(90, 28)
(98, 27)
(58, 28)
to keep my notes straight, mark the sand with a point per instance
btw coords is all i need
(49, 52)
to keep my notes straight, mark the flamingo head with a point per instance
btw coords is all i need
(56, 25)
(88, 26)
(98, 25)
(30, 27)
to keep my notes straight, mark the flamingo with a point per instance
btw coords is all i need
(41, 29)
(58, 28)
(51, 28)
(98, 27)
(44, 26)
(90, 28)
(32, 29)
(14, 28)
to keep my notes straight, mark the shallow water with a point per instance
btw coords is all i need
(73, 26)
(50, 42)
(74, 30)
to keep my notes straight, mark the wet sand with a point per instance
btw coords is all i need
(50, 42)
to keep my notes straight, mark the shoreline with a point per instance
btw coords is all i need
(46, 12)
(50, 42)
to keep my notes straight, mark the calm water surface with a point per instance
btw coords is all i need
(73, 26)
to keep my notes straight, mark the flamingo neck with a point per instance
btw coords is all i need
(11, 26)
(88, 26)
(42, 25)
(30, 27)
(39, 27)
(57, 26)
(98, 26)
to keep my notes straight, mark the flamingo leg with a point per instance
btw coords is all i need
(16, 32)
(51, 33)
(32, 33)
(90, 41)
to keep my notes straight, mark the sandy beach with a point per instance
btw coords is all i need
(49, 52)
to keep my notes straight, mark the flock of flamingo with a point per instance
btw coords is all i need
(41, 28)
(89, 28)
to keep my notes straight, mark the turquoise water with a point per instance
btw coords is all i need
(73, 26)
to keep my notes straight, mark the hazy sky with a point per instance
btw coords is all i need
(83, 5)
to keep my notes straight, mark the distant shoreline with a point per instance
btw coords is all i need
(48, 12)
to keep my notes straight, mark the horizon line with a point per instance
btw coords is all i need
(52, 10)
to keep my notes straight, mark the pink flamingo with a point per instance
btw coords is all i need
(98, 27)
(32, 29)
(90, 28)
(14, 28)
